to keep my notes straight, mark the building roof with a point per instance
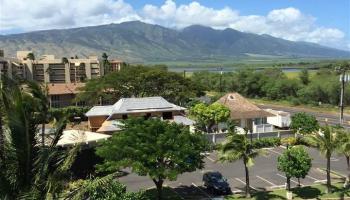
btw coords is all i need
(241, 108)
(134, 105)
(109, 126)
(277, 112)
(99, 111)
(145, 104)
(179, 119)
(72, 137)
(64, 88)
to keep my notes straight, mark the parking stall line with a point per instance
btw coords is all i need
(245, 184)
(274, 151)
(206, 194)
(290, 179)
(212, 160)
(310, 177)
(266, 180)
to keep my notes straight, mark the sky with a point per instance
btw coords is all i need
(325, 22)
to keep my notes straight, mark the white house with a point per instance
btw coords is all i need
(246, 115)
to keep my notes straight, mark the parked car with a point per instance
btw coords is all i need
(216, 183)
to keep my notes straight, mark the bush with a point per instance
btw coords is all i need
(266, 142)
(71, 112)
(289, 141)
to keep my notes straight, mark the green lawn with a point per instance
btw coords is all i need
(308, 192)
(295, 75)
(322, 108)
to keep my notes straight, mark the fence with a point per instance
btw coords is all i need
(220, 137)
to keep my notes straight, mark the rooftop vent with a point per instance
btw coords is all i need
(231, 97)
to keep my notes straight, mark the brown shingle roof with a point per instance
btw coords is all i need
(64, 88)
(241, 108)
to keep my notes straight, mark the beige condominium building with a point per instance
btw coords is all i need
(64, 76)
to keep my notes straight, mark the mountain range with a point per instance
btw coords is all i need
(141, 42)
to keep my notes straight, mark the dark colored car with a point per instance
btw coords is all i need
(216, 183)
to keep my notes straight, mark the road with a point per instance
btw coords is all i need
(332, 119)
(263, 175)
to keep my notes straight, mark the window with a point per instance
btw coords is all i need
(125, 116)
(167, 115)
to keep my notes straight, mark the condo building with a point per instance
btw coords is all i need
(63, 76)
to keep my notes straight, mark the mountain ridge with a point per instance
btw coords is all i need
(141, 42)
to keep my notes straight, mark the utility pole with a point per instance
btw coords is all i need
(220, 78)
(184, 73)
(342, 80)
(342, 68)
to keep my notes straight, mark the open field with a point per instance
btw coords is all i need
(331, 109)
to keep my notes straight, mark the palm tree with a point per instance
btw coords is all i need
(344, 148)
(326, 142)
(40, 93)
(239, 147)
(26, 167)
(105, 63)
(2, 139)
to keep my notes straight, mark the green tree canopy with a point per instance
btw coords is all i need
(304, 76)
(140, 81)
(210, 115)
(294, 162)
(155, 148)
(304, 123)
(104, 188)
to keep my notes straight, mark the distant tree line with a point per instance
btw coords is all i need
(273, 84)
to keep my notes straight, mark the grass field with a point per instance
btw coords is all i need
(322, 108)
(308, 192)
(295, 75)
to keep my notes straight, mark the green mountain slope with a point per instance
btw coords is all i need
(141, 42)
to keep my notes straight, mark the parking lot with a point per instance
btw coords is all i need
(263, 175)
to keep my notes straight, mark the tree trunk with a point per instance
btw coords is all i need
(2, 138)
(247, 184)
(159, 186)
(348, 161)
(328, 173)
(288, 183)
(299, 182)
(43, 134)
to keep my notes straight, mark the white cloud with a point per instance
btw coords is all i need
(288, 23)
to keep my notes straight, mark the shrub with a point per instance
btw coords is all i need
(71, 112)
(289, 141)
(266, 142)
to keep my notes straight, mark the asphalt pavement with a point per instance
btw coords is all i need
(263, 175)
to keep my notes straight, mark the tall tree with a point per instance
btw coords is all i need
(105, 63)
(31, 56)
(344, 149)
(210, 115)
(238, 147)
(304, 76)
(140, 81)
(304, 123)
(40, 93)
(154, 148)
(294, 162)
(28, 170)
(326, 142)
